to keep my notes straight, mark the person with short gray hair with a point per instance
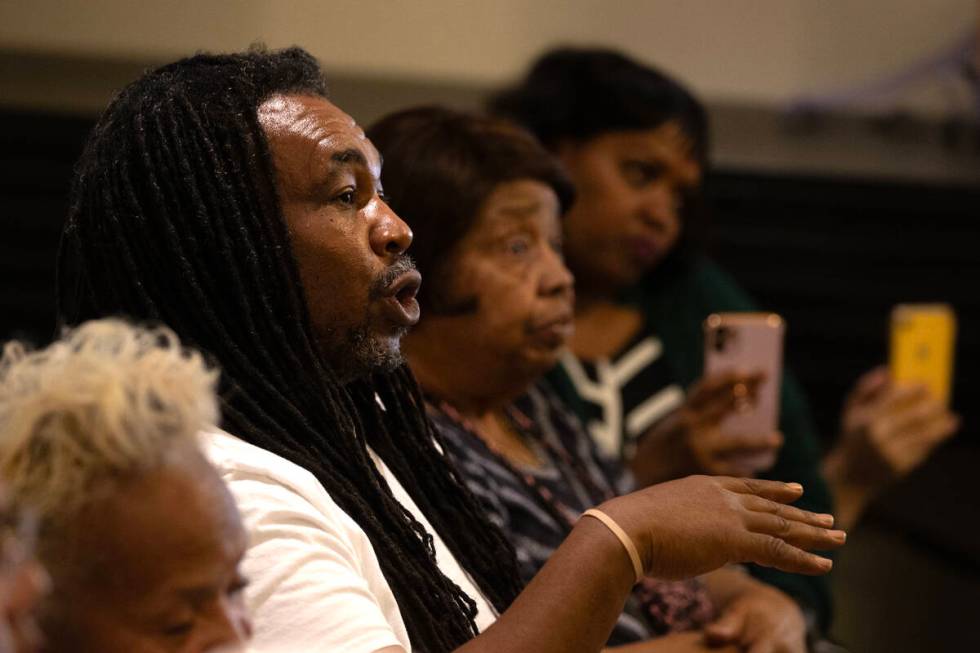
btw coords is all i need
(141, 538)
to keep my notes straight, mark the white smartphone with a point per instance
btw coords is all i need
(748, 343)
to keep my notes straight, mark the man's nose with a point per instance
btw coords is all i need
(390, 236)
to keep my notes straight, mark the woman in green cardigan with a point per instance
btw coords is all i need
(635, 144)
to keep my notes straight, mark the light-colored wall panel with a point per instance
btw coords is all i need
(747, 50)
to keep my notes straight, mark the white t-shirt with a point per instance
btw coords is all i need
(316, 584)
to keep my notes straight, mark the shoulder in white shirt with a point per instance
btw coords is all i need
(316, 584)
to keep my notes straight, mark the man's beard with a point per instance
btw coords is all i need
(361, 352)
(369, 354)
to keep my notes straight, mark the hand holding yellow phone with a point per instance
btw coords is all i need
(922, 344)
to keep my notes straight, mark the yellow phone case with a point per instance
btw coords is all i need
(922, 343)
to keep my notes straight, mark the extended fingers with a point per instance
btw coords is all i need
(801, 528)
(772, 490)
(757, 504)
(799, 534)
(770, 551)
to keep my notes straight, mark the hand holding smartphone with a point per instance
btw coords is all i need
(747, 343)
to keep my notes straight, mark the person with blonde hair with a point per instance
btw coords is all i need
(141, 538)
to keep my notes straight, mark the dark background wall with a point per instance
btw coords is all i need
(833, 255)
(37, 153)
(830, 250)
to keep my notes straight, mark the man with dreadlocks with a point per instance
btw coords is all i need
(226, 197)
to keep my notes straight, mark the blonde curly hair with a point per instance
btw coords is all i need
(106, 401)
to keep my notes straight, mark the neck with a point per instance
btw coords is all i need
(591, 291)
(475, 389)
(589, 297)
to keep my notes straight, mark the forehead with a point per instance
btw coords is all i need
(515, 202)
(667, 144)
(306, 133)
(521, 197)
(171, 523)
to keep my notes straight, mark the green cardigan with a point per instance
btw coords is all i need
(675, 311)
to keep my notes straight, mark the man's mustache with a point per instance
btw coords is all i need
(402, 264)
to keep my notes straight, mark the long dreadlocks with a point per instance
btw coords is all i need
(175, 217)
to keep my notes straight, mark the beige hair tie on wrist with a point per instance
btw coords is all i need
(624, 539)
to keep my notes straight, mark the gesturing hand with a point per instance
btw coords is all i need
(687, 527)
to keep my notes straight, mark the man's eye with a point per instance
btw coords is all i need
(347, 197)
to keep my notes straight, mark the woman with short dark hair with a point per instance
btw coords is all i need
(634, 142)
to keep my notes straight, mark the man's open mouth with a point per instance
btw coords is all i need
(400, 294)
